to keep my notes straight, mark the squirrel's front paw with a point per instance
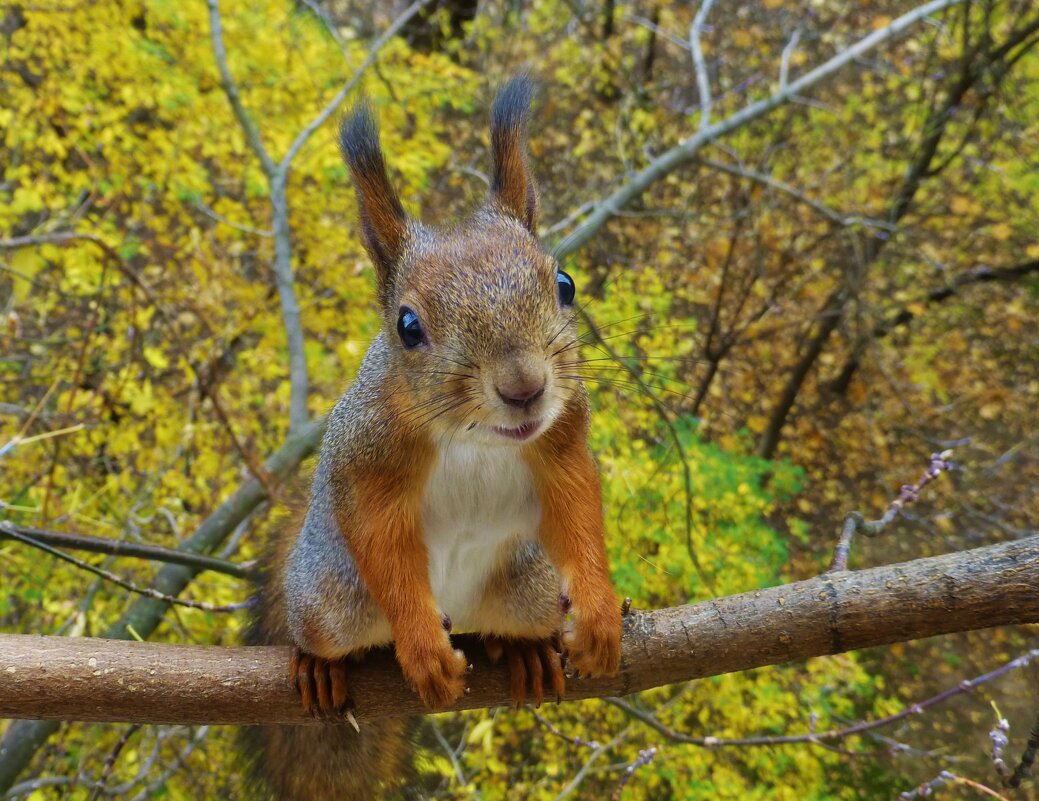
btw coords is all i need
(593, 645)
(434, 669)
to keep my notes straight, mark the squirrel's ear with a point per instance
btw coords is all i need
(512, 186)
(384, 223)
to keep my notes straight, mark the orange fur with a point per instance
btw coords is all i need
(384, 533)
(572, 534)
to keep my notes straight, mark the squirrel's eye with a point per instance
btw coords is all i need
(566, 287)
(410, 329)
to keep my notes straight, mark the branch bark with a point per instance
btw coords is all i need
(103, 680)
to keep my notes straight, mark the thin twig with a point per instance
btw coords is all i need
(818, 738)
(239, 226)
(227, 83)
(153, 553)
(106, 771)
(451, 755)
(784, 62)
(855, 523)
(650, 25)
(1024, 767)
(126, 584)
(645, 756)
(831, 214)
(703, 83)
(348, 87)
(592, 759)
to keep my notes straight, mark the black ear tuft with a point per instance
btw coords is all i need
(384, 223)
(512, 186)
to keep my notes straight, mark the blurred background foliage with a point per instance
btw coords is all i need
(788, 327)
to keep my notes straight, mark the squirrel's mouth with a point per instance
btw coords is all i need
(519, 433)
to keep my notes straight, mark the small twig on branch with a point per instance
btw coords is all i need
(106, 771)
(126, 584)
(594, 757)
(855, 523)
(822, 737)
(831, 214)
(644, 758)
(948, 777)
(784, 61)
(153, 553)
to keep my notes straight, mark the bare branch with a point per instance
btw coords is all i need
(784, 62)
(855, 523)
(686, 151)
(88, 679)
(245, 120)
(830, 213)
(348, 87)
(278, 177)
(126, 584)
(153, 553)
(703, 82)
(823, 737)
(24, 737)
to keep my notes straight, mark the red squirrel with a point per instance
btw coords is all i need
(454, 489)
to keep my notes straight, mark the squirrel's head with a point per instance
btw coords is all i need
(479, 317)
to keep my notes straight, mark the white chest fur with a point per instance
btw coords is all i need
(480, 502)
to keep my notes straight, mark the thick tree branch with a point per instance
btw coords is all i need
(101, 680)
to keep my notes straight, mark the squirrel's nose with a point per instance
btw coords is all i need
(521, 394)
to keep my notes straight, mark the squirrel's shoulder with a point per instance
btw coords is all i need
(362, 424)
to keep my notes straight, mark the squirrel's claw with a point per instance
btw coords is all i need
(594, 643)
(532, 665)
(321, 684)
(436, 672)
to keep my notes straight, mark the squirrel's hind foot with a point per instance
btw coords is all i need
(321, 684)
(533, 665)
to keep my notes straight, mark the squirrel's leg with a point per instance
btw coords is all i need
(522, 623)
(320, 605)
(385, 537)
(571, 532)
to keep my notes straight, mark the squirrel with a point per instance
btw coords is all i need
(454, 488)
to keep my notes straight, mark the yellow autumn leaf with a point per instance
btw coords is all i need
(1002, 231)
